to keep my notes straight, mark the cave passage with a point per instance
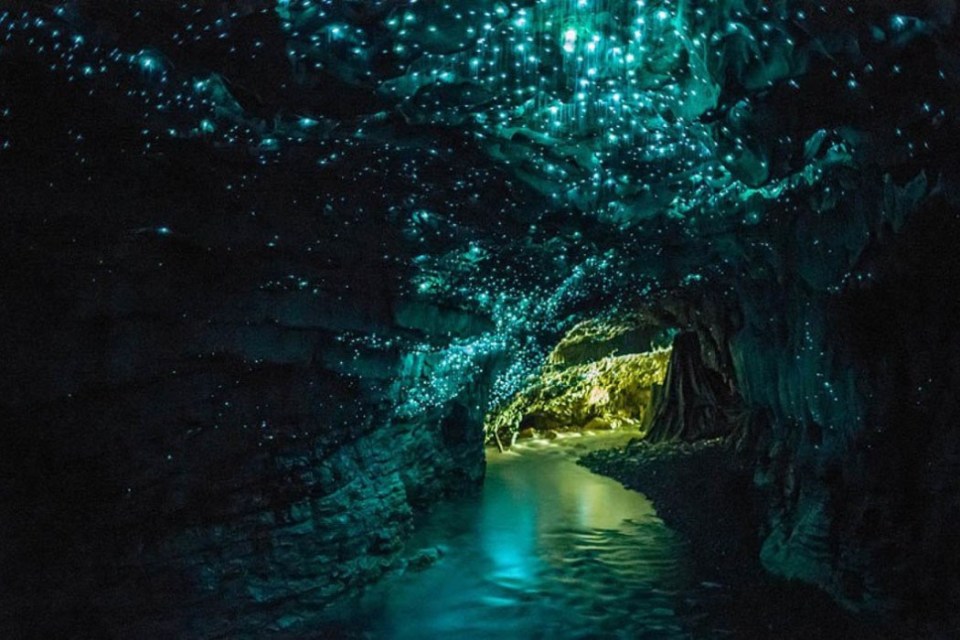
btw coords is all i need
(602, 375)
(275, 273)
(547, 549)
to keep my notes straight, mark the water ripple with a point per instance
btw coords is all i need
(549, 551)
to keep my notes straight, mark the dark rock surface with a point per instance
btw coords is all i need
(706, 493)
(694, 402)
(194, 444)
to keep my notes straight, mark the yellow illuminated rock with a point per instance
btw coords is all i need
(576, 389)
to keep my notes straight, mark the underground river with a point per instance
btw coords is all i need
(546, 550)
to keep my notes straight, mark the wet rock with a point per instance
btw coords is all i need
(424, 558)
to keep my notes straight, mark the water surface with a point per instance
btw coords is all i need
(547, 550)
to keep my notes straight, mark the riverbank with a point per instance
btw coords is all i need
(705, 492)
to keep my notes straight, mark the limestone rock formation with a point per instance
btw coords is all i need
(693, 403)
(602, 375)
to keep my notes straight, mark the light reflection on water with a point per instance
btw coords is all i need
(548, 550)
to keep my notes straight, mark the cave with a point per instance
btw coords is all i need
(529, 319)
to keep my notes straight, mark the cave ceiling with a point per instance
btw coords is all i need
(532, 162)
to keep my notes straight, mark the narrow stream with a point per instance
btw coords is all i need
(547, 550)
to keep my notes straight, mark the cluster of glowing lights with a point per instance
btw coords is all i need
(596, 104)
(601, 89)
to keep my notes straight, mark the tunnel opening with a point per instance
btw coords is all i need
(603, 375)
(639, 373)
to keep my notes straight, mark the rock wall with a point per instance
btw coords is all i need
(694, 402)
(199, 397)
(200, 461)
(839, 346)
(860, 456)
